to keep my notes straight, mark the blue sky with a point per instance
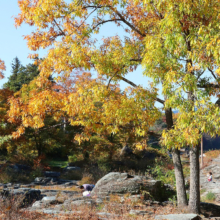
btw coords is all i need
(12, 42)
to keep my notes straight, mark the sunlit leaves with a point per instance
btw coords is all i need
(175, 41)
(91, 104)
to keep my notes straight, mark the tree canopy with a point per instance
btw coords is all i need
(176, 43)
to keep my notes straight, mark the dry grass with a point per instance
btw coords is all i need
(9, 210)
(87, 179)
(210, 155)
(57, 187)
(116, 207)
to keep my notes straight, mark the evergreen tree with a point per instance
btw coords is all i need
(13, 83)
(21, 75)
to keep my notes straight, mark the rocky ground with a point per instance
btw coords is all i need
(116, 196)
(214, 186)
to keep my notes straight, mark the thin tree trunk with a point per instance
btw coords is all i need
(180, 182)
(194, 199)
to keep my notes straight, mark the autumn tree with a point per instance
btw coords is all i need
(176, 42)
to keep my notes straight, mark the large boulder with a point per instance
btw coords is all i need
(122, 183)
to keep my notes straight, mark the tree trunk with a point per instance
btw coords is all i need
(194, 199)
(180, 182)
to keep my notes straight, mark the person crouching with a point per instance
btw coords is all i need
(87, 189)
(210, 176)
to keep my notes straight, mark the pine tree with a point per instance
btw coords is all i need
(13, 83)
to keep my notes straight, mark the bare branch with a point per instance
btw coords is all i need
(105, 21)
(213, 74)
(112, 78)
(134, 85)
(209, 85)
(126, 22)
(137, 60)
(59, 27)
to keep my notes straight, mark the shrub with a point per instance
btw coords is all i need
(8, 175)
(210, 196)
(159, 172)
(75, 158)
(87, 179)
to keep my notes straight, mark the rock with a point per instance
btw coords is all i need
(51, 174)
(179, 217)
(149, 155)
(42, 180)
(54, 211)
(135, 198)
(17, 168)
(81, 202)
(108, 215)
(12, 168)
(45, 202)
(70, 168)
(122, 183)
(40, 205)
(72, 183)
(50, 199)
(99, 201)
(217, 176)
(138, 212)
(17, 186)
(126, 151)
(210, 209)
(9, 184)
(25, 196)
(21, 167)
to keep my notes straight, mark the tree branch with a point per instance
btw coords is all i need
(213, 74)
(105, 21)
(209, 85)
(134, 85)
(126, 22)
(59, 27)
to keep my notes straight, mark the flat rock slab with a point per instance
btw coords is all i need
(179, 217)
(108, 215)
(53, 212)
(138, 212)
(40, 205)
(50, 199)
(81, 202)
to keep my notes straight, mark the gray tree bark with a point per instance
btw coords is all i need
(194, 199)
(180, 182)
